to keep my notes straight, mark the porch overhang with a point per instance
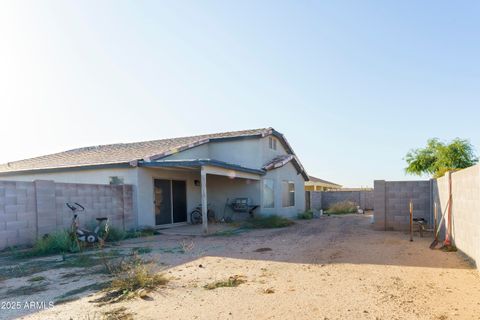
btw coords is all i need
(210, 166)
(207, 167)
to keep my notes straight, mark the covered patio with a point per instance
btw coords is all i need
(218, 183)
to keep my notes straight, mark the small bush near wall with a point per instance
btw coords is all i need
(307, 215)
(58, 242)
(272, 221)
(342, 207)
(115, 234)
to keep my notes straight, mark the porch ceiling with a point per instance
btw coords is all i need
(211, 167)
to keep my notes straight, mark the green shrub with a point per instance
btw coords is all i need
(307, 215)
(53, 243)
(342, 207)
(115, 234)
(144, 232)
(267, 222)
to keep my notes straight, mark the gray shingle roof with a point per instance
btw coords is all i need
(123, 152)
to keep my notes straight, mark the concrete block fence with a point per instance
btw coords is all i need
(324, 199)
(29, 210)
(391, 202)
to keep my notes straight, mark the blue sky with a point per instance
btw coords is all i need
(352, 84)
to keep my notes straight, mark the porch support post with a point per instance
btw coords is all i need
(203, 179)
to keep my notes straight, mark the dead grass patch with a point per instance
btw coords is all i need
(25, 290)
(120, 313)
(268, 291)
(131, 278)
(233, 281)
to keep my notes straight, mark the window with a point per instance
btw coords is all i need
(272, 143)
(288, 194)
(268, 193)
(116, 180)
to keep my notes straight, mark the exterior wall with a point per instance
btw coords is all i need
(268, 154)
(199, 152)
(285, 173)
(249, 152)
(96, 176)
(246, 152)
(364, 199)
(465, 208)
(221, 188)
(392, 201)
(146, 176)
(29, 210)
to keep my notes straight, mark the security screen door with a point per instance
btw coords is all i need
(170, 201)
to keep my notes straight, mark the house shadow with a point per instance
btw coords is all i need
(342, 239)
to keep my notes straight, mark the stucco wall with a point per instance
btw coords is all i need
(221, 188)
(97, 176)
(465, 208)
(31, 209)
(245, 152)
(249, 152)
(285, 173)
(199, 152)
(146, 176)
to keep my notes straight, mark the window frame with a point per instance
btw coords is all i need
(264, 181)
(272, 143)
(286, 192)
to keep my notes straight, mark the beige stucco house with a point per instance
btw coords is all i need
(317, 184)
(171, 177)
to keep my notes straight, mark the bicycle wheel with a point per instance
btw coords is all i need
(196, 217)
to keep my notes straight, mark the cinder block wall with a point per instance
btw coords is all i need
(324, 199)
(391, 202)
(465, 208)
(29, 210)
(316, 200)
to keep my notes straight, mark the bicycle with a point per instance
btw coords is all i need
(98, 235)
(196, 215)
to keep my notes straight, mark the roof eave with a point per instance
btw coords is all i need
(68, 168)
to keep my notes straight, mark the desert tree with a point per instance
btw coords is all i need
(439, 157)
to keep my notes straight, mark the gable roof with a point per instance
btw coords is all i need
(128, 154)
(315, 179)
(282, 160)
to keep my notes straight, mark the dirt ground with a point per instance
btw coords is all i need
(329, 268)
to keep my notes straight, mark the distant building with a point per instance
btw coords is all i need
(317, 184)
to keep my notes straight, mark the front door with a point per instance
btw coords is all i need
(170, 201)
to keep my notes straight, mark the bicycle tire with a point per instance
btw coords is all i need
(196, 217)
